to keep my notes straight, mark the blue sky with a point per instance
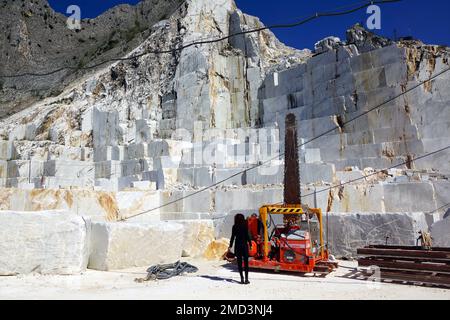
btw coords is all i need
(428, 21)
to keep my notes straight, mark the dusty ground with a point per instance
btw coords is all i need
(215, 280)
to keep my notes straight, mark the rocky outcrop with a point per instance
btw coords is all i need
(46, 242)
(365, 40)
(36, 39)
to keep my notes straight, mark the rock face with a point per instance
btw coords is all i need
(126, 245)
(52, 242)
(440, 232)
(349, 231)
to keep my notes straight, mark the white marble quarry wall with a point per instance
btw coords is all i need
(198, 99)
(111, 145)
(113, 141)
(340, 84)
(218, 84)
(218, 97)
(121, 148)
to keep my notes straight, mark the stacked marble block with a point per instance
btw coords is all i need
(36, 164)
(146, 163)
(110, 163)
(58, 242)
(55, 173)
(341, 84)
(5, 154)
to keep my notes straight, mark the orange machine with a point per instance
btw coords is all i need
(296, 245)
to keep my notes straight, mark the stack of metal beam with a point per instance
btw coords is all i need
(408, 265)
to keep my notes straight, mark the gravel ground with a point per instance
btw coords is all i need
(214, 280)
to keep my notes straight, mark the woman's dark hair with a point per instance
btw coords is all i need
(239, 220)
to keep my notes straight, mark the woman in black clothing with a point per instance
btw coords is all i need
(241, 235)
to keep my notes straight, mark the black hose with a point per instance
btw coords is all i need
(166, 271)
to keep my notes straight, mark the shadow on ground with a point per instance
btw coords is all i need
(295, 276)
(215, 278)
